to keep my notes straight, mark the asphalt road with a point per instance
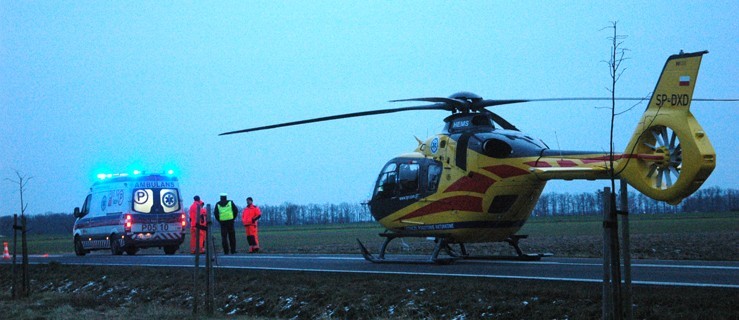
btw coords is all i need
(644, 272)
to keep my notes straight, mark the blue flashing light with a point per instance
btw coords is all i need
(170, 172)
(103, 176)
(136, 172)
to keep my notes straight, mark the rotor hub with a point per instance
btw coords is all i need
(665, 153)
(466, 96)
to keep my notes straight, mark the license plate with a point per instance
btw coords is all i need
(154, 227)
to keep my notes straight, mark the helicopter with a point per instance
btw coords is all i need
(479, 179)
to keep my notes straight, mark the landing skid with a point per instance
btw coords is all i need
(513, 241)
(442, 243)
(434, 259)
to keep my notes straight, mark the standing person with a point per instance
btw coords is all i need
(195, 221)
(249, 217)
(225, 212)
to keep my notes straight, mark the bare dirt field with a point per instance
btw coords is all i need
(74, 292)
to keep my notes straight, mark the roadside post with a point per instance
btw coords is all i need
(25, 286)
(24, 247)
(14, 289)
(196, 271)
(210, 256)
(626, 244)
(617, 297)
(607, 302)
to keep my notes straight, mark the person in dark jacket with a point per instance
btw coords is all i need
(225, 212)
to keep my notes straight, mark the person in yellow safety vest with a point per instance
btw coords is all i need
(195, 220)
(225, 212)
(249, 217)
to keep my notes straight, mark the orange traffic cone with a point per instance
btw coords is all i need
(6, 254)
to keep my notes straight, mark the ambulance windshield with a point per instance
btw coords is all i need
(154, 200)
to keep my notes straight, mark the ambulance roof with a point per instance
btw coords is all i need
(138, 177)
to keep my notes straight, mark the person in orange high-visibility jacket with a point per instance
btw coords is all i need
(196, 219)
(249, 217)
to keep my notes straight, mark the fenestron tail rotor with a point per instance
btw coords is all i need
(665, 172)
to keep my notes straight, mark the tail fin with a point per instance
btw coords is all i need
(669, 155)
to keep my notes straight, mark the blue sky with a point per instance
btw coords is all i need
(87, 87)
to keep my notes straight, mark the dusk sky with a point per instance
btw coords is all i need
(103, 87)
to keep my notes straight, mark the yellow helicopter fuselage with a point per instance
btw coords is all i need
(479, 180)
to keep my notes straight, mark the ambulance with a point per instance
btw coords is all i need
(128, 212)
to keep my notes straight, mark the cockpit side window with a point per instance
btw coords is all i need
(434, 175)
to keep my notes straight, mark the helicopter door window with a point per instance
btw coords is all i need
(408, 178)
(434, 175)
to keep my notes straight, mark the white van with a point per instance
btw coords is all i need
(128, 212)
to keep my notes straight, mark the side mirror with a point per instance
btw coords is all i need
(77, 213)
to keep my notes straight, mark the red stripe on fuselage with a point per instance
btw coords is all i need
(461, 203)
(566, 163)
(538, 164)
(506, 171)
(476, 183)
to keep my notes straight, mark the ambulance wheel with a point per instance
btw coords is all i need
(115, 246)
(78, 248)
(171, 249)
(131, 250)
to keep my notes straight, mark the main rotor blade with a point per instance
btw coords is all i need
(450, 101)
(437, 106)
(619, 99)
(490, 103)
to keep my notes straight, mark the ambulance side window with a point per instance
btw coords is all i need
(86, 206)
(98, 203)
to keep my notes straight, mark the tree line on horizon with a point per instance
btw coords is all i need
(713, 199)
